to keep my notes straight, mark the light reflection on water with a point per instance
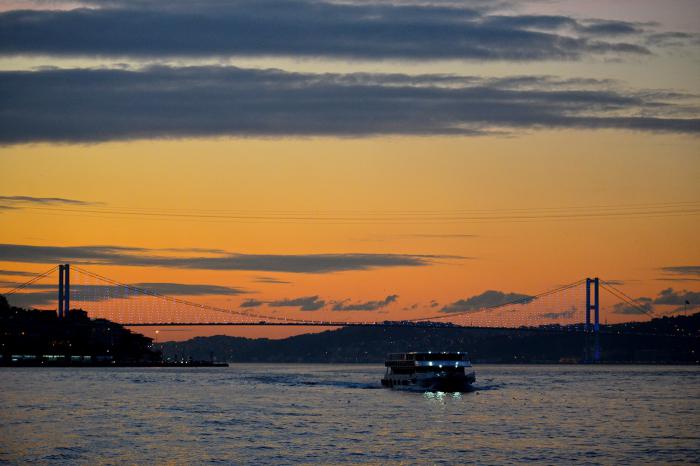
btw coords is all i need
(333, 414)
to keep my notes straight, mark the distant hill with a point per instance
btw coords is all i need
(663, 340)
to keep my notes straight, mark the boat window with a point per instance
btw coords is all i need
(439, 356)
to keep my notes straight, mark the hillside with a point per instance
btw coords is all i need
(664, 340)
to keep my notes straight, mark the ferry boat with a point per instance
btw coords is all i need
(436, 371)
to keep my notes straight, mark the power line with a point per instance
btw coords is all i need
(398, 217)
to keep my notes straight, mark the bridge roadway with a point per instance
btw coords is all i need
(576, 328)
(293, 324)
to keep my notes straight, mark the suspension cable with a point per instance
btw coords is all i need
(38, 277)
(184, 301)
(524, 300)
(620, 295)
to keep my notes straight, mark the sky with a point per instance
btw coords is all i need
(354, 160)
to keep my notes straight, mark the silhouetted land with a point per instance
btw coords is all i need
(665, 340)
(33, 337)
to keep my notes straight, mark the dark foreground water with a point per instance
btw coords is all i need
(273, 414)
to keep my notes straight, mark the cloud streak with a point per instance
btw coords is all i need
(312, 28)
(305, 303)
(365, 306)
(683, 270)
(19, 202)
(487, 299)
(271, 280)
(92, 105)
(560, 315)
(17, 273)
(297, 263)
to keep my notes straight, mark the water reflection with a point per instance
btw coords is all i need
(271, 414)
(440, 397)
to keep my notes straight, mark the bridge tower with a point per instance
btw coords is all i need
(595, 306)
(63, 290)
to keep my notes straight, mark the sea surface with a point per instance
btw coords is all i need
(334, 414)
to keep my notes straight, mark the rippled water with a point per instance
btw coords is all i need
(275, 414)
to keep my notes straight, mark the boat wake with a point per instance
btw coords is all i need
(300, 380)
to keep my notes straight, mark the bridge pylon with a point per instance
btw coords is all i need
(595, 307)
(63, 290)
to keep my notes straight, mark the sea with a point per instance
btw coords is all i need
(340, 414)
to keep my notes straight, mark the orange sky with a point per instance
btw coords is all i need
(544, 169)
(367, 179)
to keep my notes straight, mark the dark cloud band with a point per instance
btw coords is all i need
(84, 105)
(299, 263)
(306, 28)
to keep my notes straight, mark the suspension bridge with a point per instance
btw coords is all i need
(575, 306)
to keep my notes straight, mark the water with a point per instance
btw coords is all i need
(272, 414)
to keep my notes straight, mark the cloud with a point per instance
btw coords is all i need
(17, 273)
(305, 303)
(445, 236)
(667, 297)
(680, 279)
(682, 270)
(313, 28)
(18, 202)
(32, 299)
(186, 289)
(252, 303)
(672, 39)
(92, 105)
(644, 306)
(127, 256)
(487, 299)
(677, 298)
(365, 306)
(271, 280)
(560, 315)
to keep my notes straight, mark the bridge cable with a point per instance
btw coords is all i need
(184, 301)
(303, 321)
(525, 300)
(622, 296)
(38, 277)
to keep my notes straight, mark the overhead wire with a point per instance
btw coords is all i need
(622, 211)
